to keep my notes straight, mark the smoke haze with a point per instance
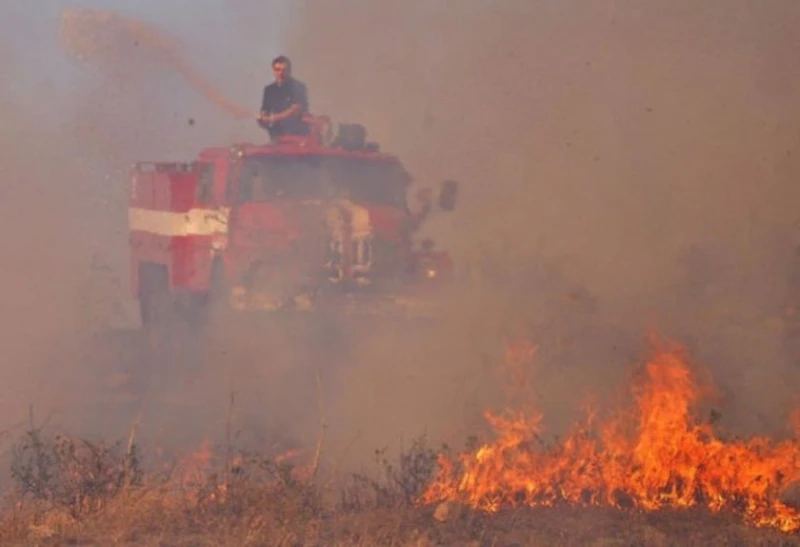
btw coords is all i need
(623, 167)
(71, 128)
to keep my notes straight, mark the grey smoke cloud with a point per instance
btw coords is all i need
(624, 165)
(639, 157)
(70, 131)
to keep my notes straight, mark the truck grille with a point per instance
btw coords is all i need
(369, 257)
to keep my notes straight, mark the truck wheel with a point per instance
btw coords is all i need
(156, 303)
(218, 298)
(172, 340)
(194, 312)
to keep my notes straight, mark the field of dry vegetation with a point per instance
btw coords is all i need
(73, 492)
(673, 482)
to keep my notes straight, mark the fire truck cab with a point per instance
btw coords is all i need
(294, 224)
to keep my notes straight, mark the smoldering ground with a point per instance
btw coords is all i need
(623, 167)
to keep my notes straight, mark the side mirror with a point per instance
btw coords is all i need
(448, 195)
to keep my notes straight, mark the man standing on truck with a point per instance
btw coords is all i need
(284, 102)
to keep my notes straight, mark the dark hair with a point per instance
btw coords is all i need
(282, 59)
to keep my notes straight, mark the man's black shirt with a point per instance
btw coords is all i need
(278, 98)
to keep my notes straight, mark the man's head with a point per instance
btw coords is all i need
(281, 68)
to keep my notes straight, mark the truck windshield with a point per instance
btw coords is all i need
(268, 178)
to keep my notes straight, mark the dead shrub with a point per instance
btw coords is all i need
(396, 485)
(77, 476)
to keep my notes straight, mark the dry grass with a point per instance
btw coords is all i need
(267, 518)
(73, 492)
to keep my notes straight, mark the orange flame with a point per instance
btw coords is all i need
(652, 457)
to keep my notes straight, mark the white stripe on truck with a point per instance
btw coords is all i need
(195, 222)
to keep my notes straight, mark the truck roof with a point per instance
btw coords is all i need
(350, 141)
(291, 149)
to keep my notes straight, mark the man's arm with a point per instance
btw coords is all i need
(299, 103)
(265, 100)
(263, 118)
(301, 96)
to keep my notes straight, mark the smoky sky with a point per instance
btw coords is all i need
(70, 133)
(643, 155)
(624, 165)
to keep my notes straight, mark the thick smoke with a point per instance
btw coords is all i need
(74, 120)
(625, 167)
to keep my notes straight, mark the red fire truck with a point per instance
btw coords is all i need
(302, 223)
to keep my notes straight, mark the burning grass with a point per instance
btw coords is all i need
(650, 474)
(655, 455)
(261, 501)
